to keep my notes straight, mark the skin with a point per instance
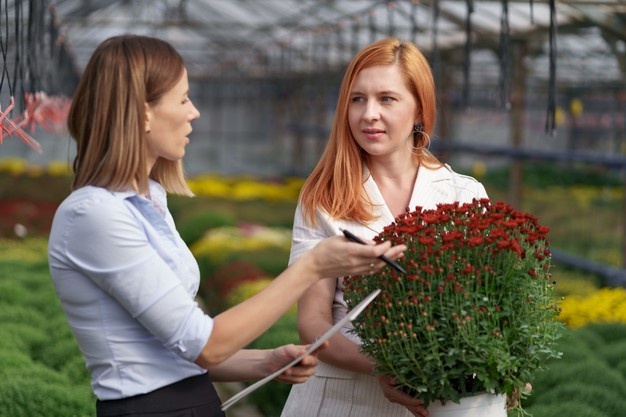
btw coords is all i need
(168, 125)
(381, 115)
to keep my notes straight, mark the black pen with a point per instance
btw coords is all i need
(351, 236)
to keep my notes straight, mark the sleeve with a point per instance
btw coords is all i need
(304, 235)
(110, 246)
(468, 188)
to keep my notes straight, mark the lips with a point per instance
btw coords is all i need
(372, 131)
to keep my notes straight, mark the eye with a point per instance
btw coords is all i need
(387, 99)
(358, 99)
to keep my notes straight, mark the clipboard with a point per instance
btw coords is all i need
(348, 317)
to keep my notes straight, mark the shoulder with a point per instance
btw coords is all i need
(91, 197)
(463, 187)
(95, 206)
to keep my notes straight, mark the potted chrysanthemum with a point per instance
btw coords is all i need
(475, 316)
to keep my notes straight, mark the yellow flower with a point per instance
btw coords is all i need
(607, 305)
(219, 242)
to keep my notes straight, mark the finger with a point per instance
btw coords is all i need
(292, 380)
(309, 361)
(300, 371)
(320, 348)
(396, 252)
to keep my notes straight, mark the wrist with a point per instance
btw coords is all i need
(309, 268)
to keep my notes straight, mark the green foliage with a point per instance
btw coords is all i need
(26, 396)
(191, 228)
(269, 213)
(572, 407)
(42, 372)
(544, 174)
(603, 399)
(606, 333)
(271, 397)
(588, 381)
(272, 260)
(216, 288)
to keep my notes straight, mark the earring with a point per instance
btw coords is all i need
(418, 129)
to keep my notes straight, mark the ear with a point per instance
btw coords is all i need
(148, 117)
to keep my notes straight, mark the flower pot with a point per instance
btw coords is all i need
(481, 405)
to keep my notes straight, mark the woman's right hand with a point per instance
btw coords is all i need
(337, 256)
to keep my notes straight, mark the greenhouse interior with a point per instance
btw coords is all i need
(531, 101)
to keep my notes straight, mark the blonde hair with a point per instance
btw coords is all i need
(336, 183)
(107, 116)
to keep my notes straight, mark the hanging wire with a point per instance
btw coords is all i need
(467, 52)
(372, 26)
(35, 28)
(391, 27)
(4, 46)
(356, 27)
(435, 43)
(414, 27)
(339, 41)
(505, 36)
(18, 69)
(551, 112)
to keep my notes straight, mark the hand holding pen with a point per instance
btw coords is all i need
(351, 236)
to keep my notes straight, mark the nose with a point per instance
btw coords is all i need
(372, 111)
(194, 114)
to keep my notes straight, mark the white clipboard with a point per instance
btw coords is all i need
(348, 317)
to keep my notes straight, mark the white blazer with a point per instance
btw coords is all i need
(336, 392)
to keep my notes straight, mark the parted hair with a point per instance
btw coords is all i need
(107, 116)
(336, 183)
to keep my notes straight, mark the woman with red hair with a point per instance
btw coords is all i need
(376, 165)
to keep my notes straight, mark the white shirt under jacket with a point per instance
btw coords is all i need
(432, 187)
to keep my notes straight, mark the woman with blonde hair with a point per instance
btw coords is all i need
(375, 167)
(125, 278)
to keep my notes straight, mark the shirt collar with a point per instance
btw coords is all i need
(157, 192)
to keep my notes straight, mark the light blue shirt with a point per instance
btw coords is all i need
(127, 283)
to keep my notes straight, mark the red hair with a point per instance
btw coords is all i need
(336, 183)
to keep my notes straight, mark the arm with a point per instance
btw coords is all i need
(251, 364)
(111, 247)
(237, 327)
(315, 306)
(315, 318)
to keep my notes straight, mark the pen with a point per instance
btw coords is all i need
(351, 236)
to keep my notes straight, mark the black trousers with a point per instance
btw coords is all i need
(191, 397)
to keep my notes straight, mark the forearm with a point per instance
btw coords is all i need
(345, 354)
(244, 365)
(237, 327)
(348, 357)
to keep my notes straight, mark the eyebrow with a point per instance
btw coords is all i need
(384, 92)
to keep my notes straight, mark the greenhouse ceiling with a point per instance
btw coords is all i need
(259, 37)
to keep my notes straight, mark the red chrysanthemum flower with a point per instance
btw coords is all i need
(476, 311)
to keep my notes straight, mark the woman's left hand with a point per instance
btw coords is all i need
(394, 395)
(514, 400)
(301, 371)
